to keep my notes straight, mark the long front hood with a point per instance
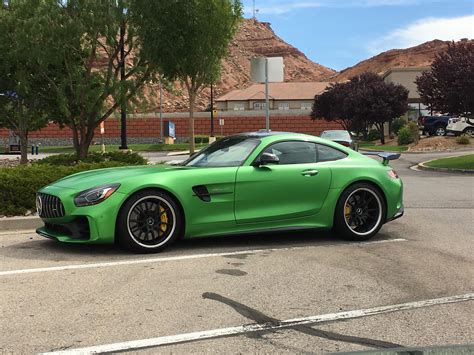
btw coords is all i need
(93, 178)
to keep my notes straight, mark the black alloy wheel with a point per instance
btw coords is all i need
(360, 212)
(148, 222)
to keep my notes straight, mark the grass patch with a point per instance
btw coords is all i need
(385, 148)
(465, 162)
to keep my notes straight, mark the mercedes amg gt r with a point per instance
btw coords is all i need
(247, 183)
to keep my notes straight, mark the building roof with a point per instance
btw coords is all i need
(277, 91)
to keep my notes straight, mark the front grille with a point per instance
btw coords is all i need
(49, 206)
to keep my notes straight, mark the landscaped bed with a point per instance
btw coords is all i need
(18, 184)
(464, 162)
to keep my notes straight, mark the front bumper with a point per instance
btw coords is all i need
(87, 225)
(397, 215)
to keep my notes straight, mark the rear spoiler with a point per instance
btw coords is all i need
(385, 156)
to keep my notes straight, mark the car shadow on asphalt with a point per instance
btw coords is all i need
(35, 248)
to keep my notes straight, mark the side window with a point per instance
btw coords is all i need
(293, 152)
(326, 153)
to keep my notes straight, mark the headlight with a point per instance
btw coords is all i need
(95, 195)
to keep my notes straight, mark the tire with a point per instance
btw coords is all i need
(355, 220)
(440, 131)
(148, 222)
(469, 131)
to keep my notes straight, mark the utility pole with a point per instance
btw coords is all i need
(123, 106)
(267, 101)
(212, 110)
(161, 112)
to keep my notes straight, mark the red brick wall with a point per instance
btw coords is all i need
(150, 127)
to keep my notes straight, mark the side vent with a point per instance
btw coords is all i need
(202, 193)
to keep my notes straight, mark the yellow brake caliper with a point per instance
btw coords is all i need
(347, 211)
(163, 219)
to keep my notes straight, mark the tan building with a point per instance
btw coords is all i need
(407, 77)
(282, 97)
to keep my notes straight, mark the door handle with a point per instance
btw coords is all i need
(310, 172)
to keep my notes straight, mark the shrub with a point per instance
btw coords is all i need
(18, 185)
(414, 131)
(373, 135)
(126, 158)
(203, 139)
(463, 139)
(397, 124)
(405, 136)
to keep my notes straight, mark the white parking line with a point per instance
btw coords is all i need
(173, 258)
(215, 333)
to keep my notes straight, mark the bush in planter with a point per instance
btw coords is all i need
(19, 184)
(126, 158)
(203, 139)
(463, 139)
(405, 136)
(414, 130)
(397, 124)
(373, 135)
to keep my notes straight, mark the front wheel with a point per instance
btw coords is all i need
(148, 222)
(360, 212)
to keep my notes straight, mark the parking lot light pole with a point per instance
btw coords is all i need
(267, 108)
(161, 112)
(123, 106)
(212, 110)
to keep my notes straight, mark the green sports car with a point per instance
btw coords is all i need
(247, 183)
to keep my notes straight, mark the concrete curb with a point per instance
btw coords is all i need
(423, 166)
(19, 223)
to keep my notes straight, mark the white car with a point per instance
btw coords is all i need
(460, 125)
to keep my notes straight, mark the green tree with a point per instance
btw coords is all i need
(187, 40)
(449, 85)
(78, 54)
(23, 107)
(364, 100)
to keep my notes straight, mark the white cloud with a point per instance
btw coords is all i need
(424, 30)
(279, 7)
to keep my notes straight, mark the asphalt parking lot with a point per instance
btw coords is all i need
(412, 285)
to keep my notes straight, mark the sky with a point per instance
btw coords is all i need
(341, 33)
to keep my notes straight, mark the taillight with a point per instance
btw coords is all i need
(344, 143)
(393, 174)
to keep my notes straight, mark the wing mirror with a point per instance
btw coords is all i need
(267, 158)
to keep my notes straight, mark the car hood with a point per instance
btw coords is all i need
(93, 178)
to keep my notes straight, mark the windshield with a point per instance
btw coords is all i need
(230, 151)
(336, 135)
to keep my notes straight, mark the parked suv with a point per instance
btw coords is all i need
(460, 125)
(434, 125)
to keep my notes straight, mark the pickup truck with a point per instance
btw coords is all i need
(434, 125)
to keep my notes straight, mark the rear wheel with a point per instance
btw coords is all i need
(149, 222)
(360, 212)
(469, 131)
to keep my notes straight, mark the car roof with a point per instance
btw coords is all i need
(262, 133)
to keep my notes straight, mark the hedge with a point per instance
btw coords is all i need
(18, 185)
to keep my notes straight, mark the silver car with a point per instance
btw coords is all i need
(342, 137)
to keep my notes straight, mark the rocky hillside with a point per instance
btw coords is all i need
(421, 55)
(253, 39)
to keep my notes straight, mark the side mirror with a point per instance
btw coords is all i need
(267, 158)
